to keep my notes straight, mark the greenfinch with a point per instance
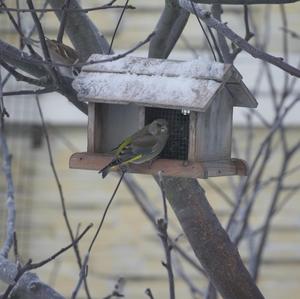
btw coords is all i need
(141, 147)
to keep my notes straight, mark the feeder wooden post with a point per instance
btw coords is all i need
(94, 127)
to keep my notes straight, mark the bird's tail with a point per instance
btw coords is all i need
(105, 170)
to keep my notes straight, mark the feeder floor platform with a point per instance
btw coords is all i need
(177, 168)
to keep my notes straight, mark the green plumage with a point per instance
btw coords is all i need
(142, 146)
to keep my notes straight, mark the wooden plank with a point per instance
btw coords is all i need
(178, 168)
(94, 127)
(150, 91)
(141, 117)
(119, 122)
(242, 96)
(160, 83)
(214, 129)
(192, 136)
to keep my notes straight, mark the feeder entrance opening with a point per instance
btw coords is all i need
(178, 142)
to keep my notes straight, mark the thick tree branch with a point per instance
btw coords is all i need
(29, 286)
(210, 242)
(196, 216)
(31, 66)
(223, 29)
(63, 20)
(85, 36)
(216, 11)
(168, 29)
(21, 60)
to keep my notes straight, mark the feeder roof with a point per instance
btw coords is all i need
(151, 82)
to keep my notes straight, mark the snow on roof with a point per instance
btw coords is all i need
(154, 82)
(197, 68)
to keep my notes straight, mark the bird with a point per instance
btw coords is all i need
(61, 53)
(143, 146)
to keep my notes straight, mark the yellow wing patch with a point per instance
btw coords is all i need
(135, 158)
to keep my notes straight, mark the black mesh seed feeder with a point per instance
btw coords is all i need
(196, 98)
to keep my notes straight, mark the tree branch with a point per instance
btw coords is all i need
(168, 29)
(210, 242)
(85, 36)
(21, 60)
(29, 285)
(162, 227)
(221, 28)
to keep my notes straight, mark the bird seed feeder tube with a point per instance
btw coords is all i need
(196, 98)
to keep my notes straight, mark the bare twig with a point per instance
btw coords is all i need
(292, 33)
(30, 266)
(118, 290)
(148, 292)
(264, 144)
(42, 38)
(216, 10)
(205, 34)
(248, 34)
(117, 26)
(20, 77)
(221, 192)
(18, 29)
(145, 204)
(31, 60)
(105, 212)
(63, 21)
(61, 251)
(83, 270)
(236, 39)
(162, 227)
(29, 92)
(73, 10)
(3, 111)
(62, 198)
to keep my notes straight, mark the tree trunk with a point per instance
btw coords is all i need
(210, 242)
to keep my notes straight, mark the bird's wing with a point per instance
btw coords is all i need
(144, 143)
(135, 148)
(118, 149)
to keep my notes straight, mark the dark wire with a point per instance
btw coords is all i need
(117, 27)
(105, 212)
(206, 36)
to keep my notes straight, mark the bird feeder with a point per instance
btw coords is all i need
(196, 98)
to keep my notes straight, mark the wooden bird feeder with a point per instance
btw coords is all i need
(195, 97)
